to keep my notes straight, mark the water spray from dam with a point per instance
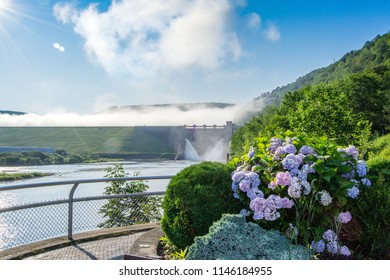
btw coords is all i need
(216, 153)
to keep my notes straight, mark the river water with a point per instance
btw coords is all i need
(13, 230)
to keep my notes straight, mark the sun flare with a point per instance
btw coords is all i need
(5, 5)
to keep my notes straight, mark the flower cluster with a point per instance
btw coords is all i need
(325, 198)
(248, 182)
(344, 217)
(357, 175)
(313, 175)
(330, 242)
(268, 208)
(295, 173)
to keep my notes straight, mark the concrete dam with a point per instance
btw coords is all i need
(195, 142)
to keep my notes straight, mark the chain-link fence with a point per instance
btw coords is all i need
(27, 223)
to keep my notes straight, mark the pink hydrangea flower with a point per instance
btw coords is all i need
(283, 178)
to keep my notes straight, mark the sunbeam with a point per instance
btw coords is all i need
(5, 7)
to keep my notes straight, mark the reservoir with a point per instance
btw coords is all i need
(30, 225)
(67, 172)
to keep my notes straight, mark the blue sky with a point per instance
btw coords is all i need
(82, 56)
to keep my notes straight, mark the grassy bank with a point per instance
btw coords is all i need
(8, 177)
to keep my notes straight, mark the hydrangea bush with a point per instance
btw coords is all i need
(301, 186)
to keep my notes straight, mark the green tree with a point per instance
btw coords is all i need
(325, 111)
(128, 210)
(368, 95)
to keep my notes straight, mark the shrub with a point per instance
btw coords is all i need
(379, 148)
(232, 238)
(373, 213)
(195, 198)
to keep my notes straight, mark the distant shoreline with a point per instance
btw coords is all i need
(37, 158)
(10, 177)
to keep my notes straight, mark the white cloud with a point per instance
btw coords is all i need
(272, 33)
(64, 13)
(254, 20)
(138, 37)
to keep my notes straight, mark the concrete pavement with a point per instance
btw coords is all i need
(106, 244)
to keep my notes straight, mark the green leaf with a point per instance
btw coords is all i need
(334, 162)
(342, 200)
(327, 178)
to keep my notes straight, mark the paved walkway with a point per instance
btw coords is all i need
(105, 249)
(141, 241)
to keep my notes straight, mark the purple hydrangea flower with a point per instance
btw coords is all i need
(353, 192)
(253, 178)
(306, 187)
(302, 175)
(361, 168)
(283, 178)
(332, 247)
(319, 246)
(257, 204)
(351, 151)
(234, 186)
(258, 216)
(345, 251)
(245, 185)
(366, 182)
(254, 192)
(267, 208)
(290, 149)
(329, 235)
(344, 217)
(294, 172)
(325, 198)
(306, 150)
(285, 203)
(278, 153)
(288, 163)
(291, 162)
(350, 175)
(238, 175)
(271, 214)
(274, 144)
(305, 170)
(294, 190)
(251, 152)
(244, 212)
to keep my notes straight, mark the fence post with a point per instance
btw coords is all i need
(70, 211)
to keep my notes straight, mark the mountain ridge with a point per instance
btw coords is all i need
(181, 106)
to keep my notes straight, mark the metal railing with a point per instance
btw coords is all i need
(26, 223)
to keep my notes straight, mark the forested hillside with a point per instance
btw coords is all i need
(373, 54)
(349, 101)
